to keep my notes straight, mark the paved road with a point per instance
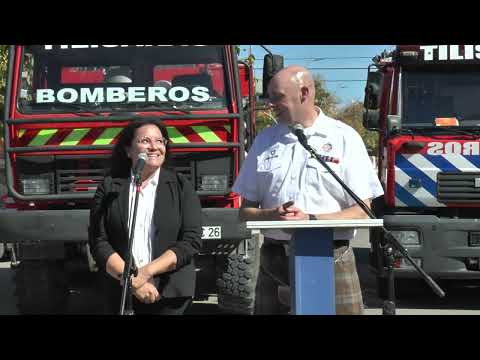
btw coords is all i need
(7, 298)
(459, 300)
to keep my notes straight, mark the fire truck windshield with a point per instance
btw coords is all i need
(429, 95)
(96, 78)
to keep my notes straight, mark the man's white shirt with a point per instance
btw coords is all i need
(278, 169)
(144, 226)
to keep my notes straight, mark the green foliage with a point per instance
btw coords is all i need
(324, 99)
(3, 74)
(265, 118)
(352, 115)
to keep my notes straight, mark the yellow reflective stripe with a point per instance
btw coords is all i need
(175, 136)
(107, 136)
(206, 134)
(21, 132)
(74, 137)
(42, 137)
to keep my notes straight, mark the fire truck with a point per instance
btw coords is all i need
(65, 106)
(423, 101)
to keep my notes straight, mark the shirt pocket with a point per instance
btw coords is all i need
(319, 180)
(270, 173)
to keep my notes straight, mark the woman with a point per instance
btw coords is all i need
(167, 230)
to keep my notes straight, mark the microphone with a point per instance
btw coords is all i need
(137, 171)
(297, 129)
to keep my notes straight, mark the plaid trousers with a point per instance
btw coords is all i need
(274, 272)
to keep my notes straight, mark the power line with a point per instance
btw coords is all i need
(328, 68)
(349, 80)
(330, 58)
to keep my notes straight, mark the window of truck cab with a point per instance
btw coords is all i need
(441, 92)
(120, 79)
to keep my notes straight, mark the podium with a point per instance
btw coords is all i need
(312, 276)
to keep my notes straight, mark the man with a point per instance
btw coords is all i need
(280, 181)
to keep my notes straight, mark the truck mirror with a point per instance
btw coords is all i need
(393, 122)
(371, 103)
(371, 119)
(271, 65)
(373, 91)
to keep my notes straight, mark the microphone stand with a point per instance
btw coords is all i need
(126, 303)
(391, 241)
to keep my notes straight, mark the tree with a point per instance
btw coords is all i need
(326, 100)
(351, 114)
(3, 74)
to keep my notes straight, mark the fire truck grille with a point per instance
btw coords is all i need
(458, 187)
(75, 181)
(199, 181)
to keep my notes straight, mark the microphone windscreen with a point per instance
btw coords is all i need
(297, 126)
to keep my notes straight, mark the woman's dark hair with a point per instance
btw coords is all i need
(120, 162)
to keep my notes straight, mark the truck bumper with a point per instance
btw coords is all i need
(445, 250)
(72, 225)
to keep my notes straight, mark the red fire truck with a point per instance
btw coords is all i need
(65, 106)
(423, 101)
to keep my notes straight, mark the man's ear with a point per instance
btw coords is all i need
(304, 93)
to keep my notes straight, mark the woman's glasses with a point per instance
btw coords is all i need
(146, 141)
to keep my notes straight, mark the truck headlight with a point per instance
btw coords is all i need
(36, 185)
(407, 238)
(214, 183)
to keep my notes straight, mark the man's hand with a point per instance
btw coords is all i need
(289, 212)
(147, 294)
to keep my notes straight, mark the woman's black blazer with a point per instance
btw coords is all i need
(178, 221)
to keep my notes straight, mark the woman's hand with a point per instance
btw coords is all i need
(142, 277)
(147, 294)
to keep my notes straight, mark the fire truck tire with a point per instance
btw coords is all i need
(237, 279)
(40, 287)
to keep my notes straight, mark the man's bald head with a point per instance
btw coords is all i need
(294, 76)
(292, 94)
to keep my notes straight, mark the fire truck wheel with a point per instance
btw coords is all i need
(237, 277)
(40, 287)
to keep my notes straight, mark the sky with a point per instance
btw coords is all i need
(316, 58)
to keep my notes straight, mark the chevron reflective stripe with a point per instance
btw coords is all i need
(107, 136)
(42, 137)
(74, 137)
(67, 137)
(199, 134)
(206, 134)
(413, 197)
(423, 169)
(176, 137)
(213, 133)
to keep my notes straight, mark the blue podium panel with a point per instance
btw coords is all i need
(312, 273)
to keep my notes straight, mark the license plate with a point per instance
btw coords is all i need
(212, 232)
